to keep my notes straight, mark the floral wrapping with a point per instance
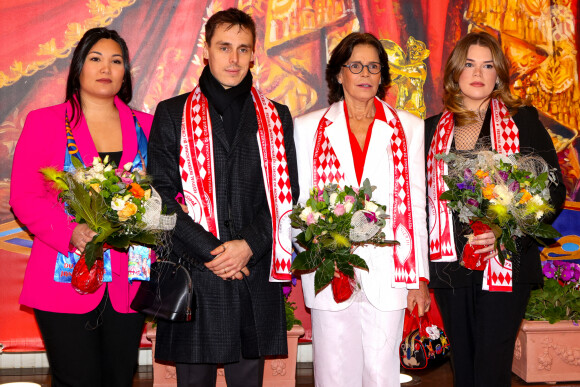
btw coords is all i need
(471, 260)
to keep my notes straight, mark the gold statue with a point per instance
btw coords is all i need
(409, 73)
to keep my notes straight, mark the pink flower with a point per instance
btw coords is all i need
(126, 180)
(339, 210)
(321, 195)
(487, 180)
(349, 199)
(371, 216)
(310, 219)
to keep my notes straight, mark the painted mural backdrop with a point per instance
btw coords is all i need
(295, 37)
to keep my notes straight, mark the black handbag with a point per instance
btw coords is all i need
(168, 295)
(426, 344)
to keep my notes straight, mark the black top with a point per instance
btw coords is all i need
(534, 138)
(114, 157)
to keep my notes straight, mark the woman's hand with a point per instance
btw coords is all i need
(487, 243)
(420, 298)
(81, 235)
(179, 198)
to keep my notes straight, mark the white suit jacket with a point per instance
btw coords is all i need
(377, 283)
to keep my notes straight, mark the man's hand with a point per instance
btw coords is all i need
(231, 260)
(419, 297)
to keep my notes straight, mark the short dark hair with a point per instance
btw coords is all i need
(231, 17)
(341, 54)
(73, 84)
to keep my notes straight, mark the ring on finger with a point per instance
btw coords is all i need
(225, 271)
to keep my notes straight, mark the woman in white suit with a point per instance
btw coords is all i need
(356, 342)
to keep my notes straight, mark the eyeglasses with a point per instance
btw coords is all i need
(357, 67)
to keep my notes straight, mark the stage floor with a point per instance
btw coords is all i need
(432, 377)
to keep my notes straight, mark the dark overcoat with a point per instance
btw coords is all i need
(232, 317)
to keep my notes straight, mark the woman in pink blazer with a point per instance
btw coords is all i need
(92, 339)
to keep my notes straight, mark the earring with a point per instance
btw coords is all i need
(497, 82)
(339, 82)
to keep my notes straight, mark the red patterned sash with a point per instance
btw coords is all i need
(327, 171)
(198, 178)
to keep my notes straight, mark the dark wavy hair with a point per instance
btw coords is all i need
(230, 17)
(342, 53)
(73, 84)
(452, 95)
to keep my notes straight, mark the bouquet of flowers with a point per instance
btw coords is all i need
(119, 204)
(507, 194)
(559, 299)
(333, 222)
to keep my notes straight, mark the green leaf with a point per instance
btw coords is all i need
(346, 268)
(77, 163)
(308, 234)
(301, 238)
(93, 251)
(357, 261)
(324, 275)
(447, 195)
(496, 229)
(500, 252)
(291, 319)
(144, 238)
(305, 261)
(544, 230)
(367, 188)
(508, 242)
(120, 242)
(295, 224)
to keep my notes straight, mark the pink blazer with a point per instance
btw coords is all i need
(41, 144)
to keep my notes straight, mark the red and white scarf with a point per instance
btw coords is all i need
(198, 176)
(326, 170)
(504, 139)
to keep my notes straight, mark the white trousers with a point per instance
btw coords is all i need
(357, 346)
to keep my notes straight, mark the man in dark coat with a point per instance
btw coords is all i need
(205, 146)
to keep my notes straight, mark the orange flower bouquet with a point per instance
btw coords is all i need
(508, 195)
(119, 204)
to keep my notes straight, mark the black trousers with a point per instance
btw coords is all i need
(482, 327)
(95, 349)
(245, 373)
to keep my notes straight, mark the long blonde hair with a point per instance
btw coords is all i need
(452, 96)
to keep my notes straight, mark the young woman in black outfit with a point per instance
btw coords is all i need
(479, 109)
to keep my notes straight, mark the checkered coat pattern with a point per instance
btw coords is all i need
(232, 317)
